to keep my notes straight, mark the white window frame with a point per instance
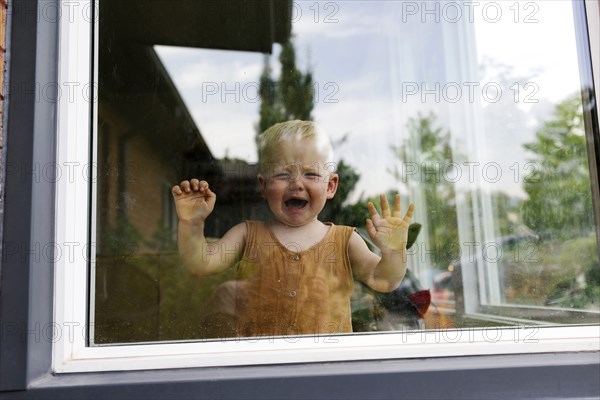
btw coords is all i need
(71, 351)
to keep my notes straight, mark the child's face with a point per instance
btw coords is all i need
(296, 181)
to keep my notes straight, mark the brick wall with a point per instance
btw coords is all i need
(3, 8)
(3, 11)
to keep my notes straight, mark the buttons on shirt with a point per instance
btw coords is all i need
(293, 277)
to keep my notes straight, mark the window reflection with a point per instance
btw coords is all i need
(449, 105)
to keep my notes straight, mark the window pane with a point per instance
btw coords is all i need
(471, 111)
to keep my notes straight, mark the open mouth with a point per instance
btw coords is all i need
(295, 203)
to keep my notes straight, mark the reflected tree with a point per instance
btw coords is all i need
(556, 204)
(288, 98)
(559, 208)
(335, 209)
(434, 163)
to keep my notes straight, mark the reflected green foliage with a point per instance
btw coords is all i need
(163, 239)
(553, 273)
(581, 289)
(435, 158)
(558, 204)
(559, 208)
(121, 239)
(270, 107)
(291, 97)
(177, 322)
(356, 214)
(507, 208)
(335, 210)
(295, 87)
(149, 297)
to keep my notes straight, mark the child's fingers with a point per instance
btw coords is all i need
(209, 195)
(371, 228)
(409, 212)
(185, 186)
(396, 210)
(193, 185)
(385, 207)
(372, 210)
(203, 187)
(176, 190)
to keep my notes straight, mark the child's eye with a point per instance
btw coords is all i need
(313, 175)
(281, 175)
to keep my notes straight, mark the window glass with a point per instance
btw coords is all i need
(470, 110)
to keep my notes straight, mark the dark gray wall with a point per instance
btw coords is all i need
(16, 269)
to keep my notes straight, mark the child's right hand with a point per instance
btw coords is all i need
(194, 201)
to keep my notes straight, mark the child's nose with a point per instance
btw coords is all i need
(296, 182)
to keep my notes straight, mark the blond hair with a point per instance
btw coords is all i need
(296, 129)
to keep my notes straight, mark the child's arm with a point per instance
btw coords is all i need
(194, 202)
(390, 233)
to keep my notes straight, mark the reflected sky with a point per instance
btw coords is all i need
(364, 57)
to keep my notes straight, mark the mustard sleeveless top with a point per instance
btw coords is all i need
(286, 292)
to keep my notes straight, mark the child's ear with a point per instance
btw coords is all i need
(262, 182)
(332, 185)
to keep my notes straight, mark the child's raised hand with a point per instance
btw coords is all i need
(389, 230)
(194, 201)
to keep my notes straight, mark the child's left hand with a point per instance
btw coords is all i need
(389, 231)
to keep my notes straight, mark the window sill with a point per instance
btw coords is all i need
(557, 375)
